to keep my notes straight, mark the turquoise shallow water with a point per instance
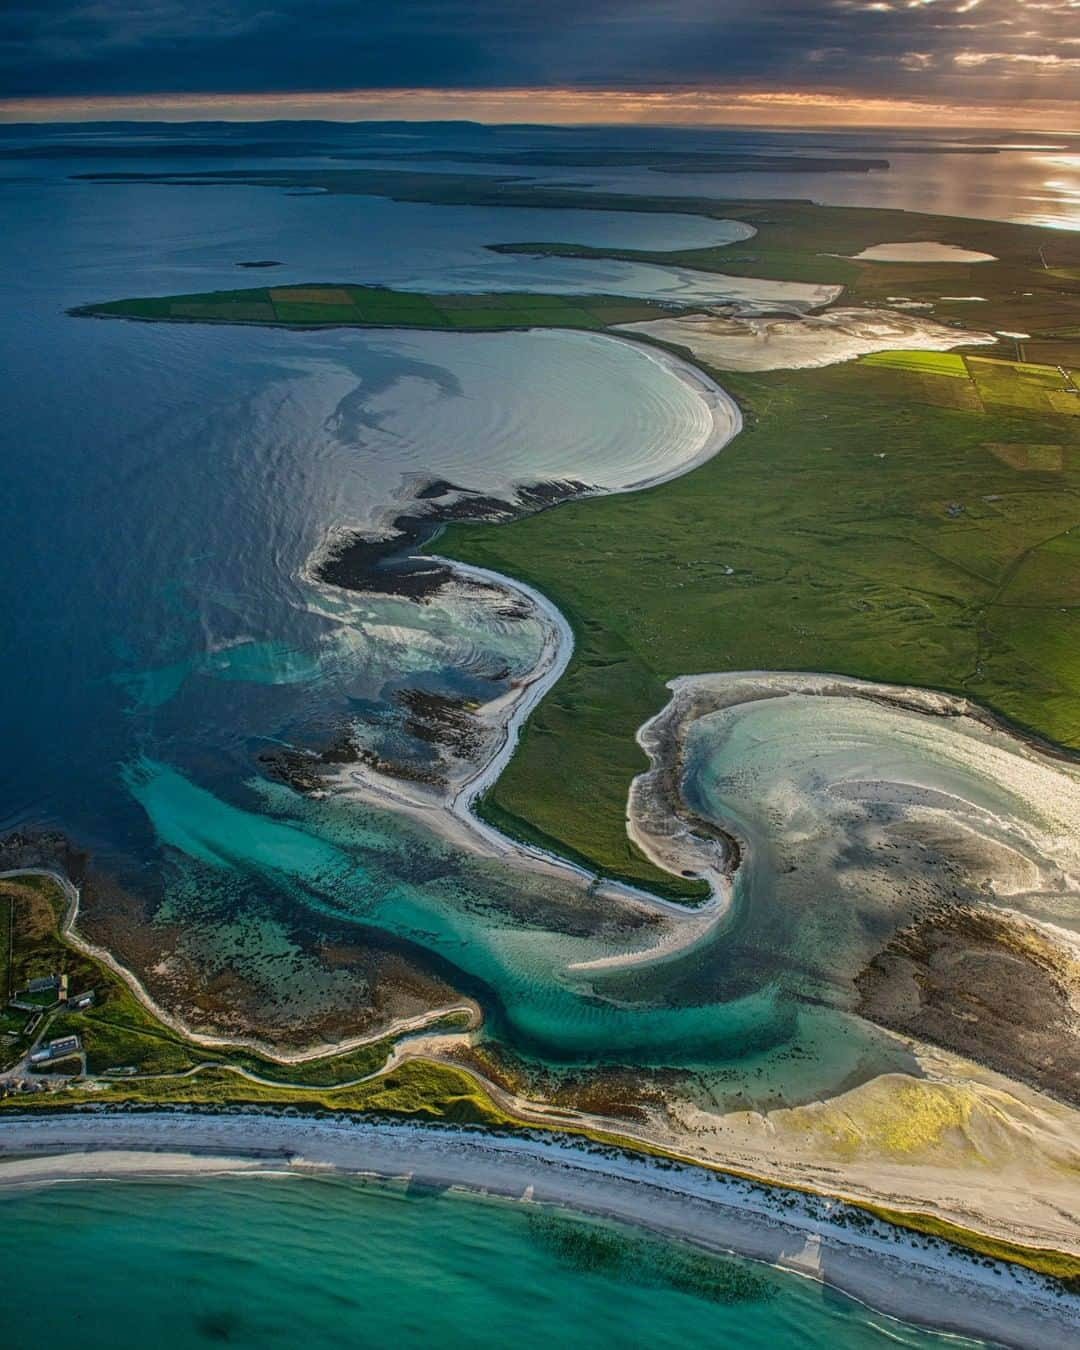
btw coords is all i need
(261, 1262)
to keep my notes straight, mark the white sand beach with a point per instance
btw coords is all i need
(899, 1273)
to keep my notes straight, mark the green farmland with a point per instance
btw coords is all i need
(978, 383)
(920, 363)
(313, 305)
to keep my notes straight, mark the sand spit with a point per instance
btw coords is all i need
(510, 712)
(771, 342)
(447, 809)
(895, 1272)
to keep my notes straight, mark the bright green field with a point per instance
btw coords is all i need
(867, 534)
(923, 363)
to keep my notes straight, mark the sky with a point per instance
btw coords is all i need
(1012, 63)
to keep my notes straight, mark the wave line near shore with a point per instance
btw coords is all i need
(800, 1233)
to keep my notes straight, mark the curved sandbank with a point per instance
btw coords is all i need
(747, 342)
(899, 1273)
(922, 252)
(739, 759)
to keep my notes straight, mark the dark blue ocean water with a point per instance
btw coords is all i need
(163, 486)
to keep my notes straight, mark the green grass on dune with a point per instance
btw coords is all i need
(418, 1089)
(1063, 1266)
(865, 534)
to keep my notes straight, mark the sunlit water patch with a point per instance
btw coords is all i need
(491, 411)
(237, 453)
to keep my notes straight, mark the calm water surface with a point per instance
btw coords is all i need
(165, 487)
(263, 1263)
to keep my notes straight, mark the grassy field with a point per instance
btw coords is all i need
(314, 305)
(866, 533)
(979, 383)
(920, 363)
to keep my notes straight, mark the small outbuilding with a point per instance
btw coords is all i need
(61, 1048)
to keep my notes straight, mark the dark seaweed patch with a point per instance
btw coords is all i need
(389, 565)
(638, 1259)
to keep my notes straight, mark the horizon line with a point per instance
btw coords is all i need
(781, 108)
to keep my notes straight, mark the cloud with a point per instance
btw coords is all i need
(959, 51)
(1041, 60)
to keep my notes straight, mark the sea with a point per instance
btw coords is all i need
(164, 491)
(262, 1262)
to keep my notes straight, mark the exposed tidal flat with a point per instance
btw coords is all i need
(930, 252)
(782, 342)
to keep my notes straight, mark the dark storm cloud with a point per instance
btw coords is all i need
(85, 47)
